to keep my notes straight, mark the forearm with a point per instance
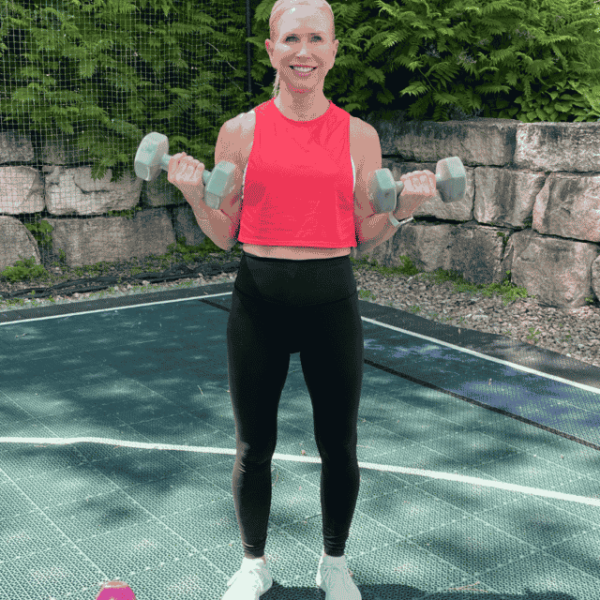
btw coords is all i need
(218, 226)
(378, 229)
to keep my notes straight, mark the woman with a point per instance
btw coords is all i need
(295, 290)
(296, 298)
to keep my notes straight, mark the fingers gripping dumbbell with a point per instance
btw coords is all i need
(450, 178)
(152, 157)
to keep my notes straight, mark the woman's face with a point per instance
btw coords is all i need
(304, 37)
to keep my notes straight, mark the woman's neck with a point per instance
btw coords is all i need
(303, 113)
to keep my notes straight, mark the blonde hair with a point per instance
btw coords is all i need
(282, 6)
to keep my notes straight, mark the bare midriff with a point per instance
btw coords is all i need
(287, 252)
(294, 252)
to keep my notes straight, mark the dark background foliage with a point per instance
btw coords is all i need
(100, 75)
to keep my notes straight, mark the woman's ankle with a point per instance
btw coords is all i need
(257, 558)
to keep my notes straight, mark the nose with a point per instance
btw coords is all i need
(303, 46)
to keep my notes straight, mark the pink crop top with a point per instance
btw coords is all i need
(299, 181)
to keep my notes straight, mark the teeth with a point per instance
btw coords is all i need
(303, 69)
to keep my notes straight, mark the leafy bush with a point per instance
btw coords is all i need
(533, 61)
(103, 75)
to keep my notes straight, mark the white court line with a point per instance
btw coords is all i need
(307, 459)
(102, 310)
(581, 386)
(587, 388)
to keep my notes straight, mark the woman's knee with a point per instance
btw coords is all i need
(334, 450)
(255, 455)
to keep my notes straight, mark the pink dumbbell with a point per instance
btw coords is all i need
(116, 590)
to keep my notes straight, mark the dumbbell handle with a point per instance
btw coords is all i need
(164, 164)
(450, 182)
(221, 185)
(388, 201)
(400, 184)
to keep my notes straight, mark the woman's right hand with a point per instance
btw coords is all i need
(185, 172)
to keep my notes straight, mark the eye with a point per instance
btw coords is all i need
(289, 37)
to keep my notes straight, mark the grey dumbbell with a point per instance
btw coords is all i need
(152, 157)
(450, 176)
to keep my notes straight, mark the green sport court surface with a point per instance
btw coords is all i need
(479, 459)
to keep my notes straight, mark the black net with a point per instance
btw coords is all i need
(81, 85)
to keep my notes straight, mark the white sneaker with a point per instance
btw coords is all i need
(250, 582)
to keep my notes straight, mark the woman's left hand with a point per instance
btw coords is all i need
(419, 187)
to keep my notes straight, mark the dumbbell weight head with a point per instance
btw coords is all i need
(384, 191)
(152, 157)
(450, 179)
(219, 183)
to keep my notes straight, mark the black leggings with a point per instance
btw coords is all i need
(280, 307)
